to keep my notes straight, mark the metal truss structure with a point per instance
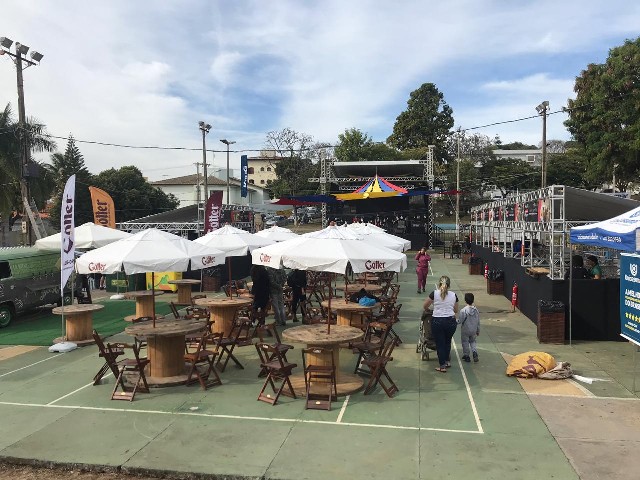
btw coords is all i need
(544, 243)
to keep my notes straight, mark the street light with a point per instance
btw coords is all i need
(21, 62)
(204, 127)
(227, 143)
(542, 109)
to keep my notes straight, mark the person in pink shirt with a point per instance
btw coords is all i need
(423, 259)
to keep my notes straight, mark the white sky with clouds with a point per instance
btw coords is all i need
(144, 73)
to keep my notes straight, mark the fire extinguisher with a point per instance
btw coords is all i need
(486, 270)
(514, 296)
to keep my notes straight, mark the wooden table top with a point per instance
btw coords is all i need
(185, 281)
(166, 327)
(317, 334)
(143, 293)
(223, 302)
(356, 287)
(340, 304)
(77, 308)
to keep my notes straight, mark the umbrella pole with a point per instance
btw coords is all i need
(570, 293)
(329, 312)
(153, 296)
(228, 260)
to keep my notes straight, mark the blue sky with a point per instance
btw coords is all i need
(144, 73)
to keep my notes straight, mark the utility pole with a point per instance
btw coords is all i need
(198, 196)
(227, 143)
(542, 109)
(458, 190)
(18, 59)
(205, 127)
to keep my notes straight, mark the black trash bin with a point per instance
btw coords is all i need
(551, 315)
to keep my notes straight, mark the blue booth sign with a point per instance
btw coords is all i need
(630, 297)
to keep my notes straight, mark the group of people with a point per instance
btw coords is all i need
(584, 269)
(446, 316)
(268, 285)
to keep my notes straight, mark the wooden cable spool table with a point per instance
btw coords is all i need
(317, 336)
(346, 311)
(223, 311)
(356, 287)
(184, 289)
(78, 322)
(144, 301)
(165, 348)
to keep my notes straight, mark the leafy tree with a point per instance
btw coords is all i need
(133, 196)
(510, 174)
(61, 168)
(568, 168)
(517, 146)
(475, 147)
(11, 163)
(426, 121)
(296, 151)
(355, 146)
(555, 146)
(604, 117)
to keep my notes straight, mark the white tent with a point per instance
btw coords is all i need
(277, 234)
(619, 233)
(86, 236)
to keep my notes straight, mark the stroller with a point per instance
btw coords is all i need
(426, 343)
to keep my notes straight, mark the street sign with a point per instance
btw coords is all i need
(630, 297)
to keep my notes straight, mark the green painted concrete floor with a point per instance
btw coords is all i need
(472, 422)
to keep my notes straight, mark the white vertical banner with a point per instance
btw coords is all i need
(67, 226)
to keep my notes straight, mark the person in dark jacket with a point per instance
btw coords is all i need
(260, 289)
(297, 280)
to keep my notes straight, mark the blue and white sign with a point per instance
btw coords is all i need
(244, 176)
(630, 297)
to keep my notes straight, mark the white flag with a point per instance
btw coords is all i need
(67, 226)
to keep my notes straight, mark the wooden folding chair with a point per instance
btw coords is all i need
(269, 330)
(377, 365)
(318, 376)
(203, 356)
(278, 370)
(174, 309)
(371, 344)
(239, 336)
(133, 369)
(110, 355)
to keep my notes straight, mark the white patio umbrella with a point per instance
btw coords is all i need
(371, 226)
(86, 236)
(277, 234)
(330, 250)
(372, 234)
(152, 251)
(235, 242)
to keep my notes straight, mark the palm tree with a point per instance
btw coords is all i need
(11, 165)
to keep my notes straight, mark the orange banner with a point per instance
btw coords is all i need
(104, 212)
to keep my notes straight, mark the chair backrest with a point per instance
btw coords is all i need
(241, 332)
(269, 353)
(262, 330)
(395, 314)
(101, 346)
(316, 351)
(377, 329)
(196, 297)
(197, 312)
(174, 309)
(387, 350)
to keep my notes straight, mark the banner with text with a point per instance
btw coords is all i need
(104, 212)
(630, 297)
(244, 176)
(67, 225)
(213, 212)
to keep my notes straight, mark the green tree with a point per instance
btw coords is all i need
(296, 151)
(133, 196)
(11, 164)
(568, 168)
(355, 146)
(61, 168)
(604, 117)
(517, 146)
(427, 120)
(510, 174)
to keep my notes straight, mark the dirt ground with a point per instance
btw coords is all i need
(27, 472)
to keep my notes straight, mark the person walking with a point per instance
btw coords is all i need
(260, 291)
(443, 325)
(277, 279)
(423, 259)
(297, 280)
(469, 320)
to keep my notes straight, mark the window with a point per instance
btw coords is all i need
(250, 170)
(531, 158)
(268, 169)
(252, 181)
(262, 169)
(261, 181)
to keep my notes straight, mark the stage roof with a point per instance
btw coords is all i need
(585, 205)
(390, 168)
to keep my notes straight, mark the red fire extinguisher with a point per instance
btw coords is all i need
(486, 270)
(514, 296)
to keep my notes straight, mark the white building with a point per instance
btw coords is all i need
(532, 157)
(185, 189)
(262, 169)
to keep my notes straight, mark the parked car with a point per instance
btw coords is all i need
(279, 220)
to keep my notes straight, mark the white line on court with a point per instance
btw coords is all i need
(343, 409)
(237, 417)
(27, 366)
(75, 391)
(466, 384)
